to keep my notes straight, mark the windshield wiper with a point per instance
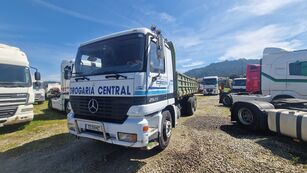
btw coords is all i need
(116, 75)
(82, 78)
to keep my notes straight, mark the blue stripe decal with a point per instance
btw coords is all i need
(155, 92)
(157, 87)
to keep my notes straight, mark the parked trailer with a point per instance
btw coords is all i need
(136, 97)
(284, 116)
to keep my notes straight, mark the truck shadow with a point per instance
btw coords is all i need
(48, 114)
(64, 153)
(283, 146)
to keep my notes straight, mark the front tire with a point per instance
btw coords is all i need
(67, 107)
(227, 101)
(50, 104)
(166, 133)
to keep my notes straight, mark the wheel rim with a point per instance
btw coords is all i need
(245, 116)
(168, 128)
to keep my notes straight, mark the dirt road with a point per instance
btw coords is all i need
(205, 142)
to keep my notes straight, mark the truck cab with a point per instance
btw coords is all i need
(16, 92)
(39, 92)
(210, 85)
(238, 85)
(127, 94)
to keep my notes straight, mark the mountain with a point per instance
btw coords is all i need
(224, 69)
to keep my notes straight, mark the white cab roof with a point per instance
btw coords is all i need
(239, 79)
(211, 77)
(12, 55)
(131, 31)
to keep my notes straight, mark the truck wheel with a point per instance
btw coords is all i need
(165, 134)
(50, 104)
(227, 101)
(247, 117)
(191, 106)
(67, 108)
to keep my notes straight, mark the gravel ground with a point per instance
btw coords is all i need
(204, 142)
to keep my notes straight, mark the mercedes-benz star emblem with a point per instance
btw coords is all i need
(93, 106)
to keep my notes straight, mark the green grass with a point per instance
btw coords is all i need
(45, 123)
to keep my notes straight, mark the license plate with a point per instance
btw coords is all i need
(93, 127)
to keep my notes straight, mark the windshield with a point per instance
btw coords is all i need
(14, 76)
(239, 82)
(115, 55)
(212, 81)
(37, 85)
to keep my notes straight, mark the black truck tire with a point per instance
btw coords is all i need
(248, 116)
(227, 100)
(50, 104)
(166, 133)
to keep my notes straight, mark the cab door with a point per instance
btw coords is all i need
(157, 78)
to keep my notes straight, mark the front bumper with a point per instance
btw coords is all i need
(109, 133)
(24, 113)
(40, 98)
(210, 91)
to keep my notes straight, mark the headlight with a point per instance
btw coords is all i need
(127, 137)
(26, 109)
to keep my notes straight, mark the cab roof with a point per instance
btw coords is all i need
(12, 55)
(126, 32)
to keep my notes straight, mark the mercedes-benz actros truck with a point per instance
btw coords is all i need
(130, 94)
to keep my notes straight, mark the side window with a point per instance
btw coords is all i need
(298, 68)
(156, 65)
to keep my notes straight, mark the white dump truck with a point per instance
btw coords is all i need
(61, 101)
(283, 75)
(210, 85)
(130, 94)
(16, 92)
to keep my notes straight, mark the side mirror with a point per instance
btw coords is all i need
(37, 76)
(67, 73)
(160, 47)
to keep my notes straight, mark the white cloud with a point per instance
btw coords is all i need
(167, 17)
(262, 7)
(76, 14)
(251, 44)
(183, 61)
(193, 64)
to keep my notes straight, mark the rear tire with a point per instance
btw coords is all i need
(248, 117)
(166, 133)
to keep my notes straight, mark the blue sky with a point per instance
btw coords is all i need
(203, 31)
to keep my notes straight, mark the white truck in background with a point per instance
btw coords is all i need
(16, 92)
(130, 94)
(210, 85)
(51, 88)
(283, 75)
(39, 92)
(281, 106)
(61, 102)
(238, 85)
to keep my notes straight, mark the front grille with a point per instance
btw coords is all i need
(37, 96)
(110, 109)
(209, 90)
(7, 111)
(13, 99)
